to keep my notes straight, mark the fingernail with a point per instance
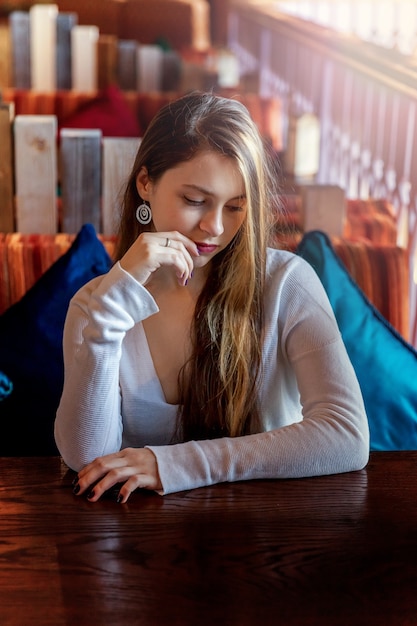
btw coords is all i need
(119, 498)
(76, 489)
(90, 494)
(75, 481)
(191, 274)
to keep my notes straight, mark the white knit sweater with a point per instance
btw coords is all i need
(312, 412)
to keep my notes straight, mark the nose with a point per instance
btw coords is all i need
(212, 222)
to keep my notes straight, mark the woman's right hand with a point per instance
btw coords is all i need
(156, 250)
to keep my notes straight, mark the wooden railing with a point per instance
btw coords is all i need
(364, 96)
(387, 23)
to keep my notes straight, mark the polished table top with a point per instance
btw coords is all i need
(328, 550)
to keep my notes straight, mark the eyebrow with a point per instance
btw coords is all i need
(209, 193)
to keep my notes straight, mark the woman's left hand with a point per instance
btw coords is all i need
(134, 467)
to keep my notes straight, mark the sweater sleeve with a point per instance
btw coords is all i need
(98, 318)
(331, 438)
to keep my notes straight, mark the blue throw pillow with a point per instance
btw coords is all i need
(6, 386)
(31, 359)
(385, 364)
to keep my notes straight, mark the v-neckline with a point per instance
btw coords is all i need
(151, 363)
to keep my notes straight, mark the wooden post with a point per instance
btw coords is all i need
(323, 208)
(107, 61)
(171, 71)
(126, 64)
(20, 41)
(84, 42)
(65, 22)
(43, 46)
(80, 171)
(118, 158)
(36, 173)
(5, 56)
(6, 168)
(303, 147)
(150, 59)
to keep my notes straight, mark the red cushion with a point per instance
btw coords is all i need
(108, 112)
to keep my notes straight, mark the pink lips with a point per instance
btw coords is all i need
(205, 248)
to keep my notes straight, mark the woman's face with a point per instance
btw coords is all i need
(203, 199)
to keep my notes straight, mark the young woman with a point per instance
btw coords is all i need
(203, 356)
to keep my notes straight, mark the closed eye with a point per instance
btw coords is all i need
(235, 208)
(193, 201)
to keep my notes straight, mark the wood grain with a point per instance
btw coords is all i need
(80, 170)
(6, 168)
(329, 550)
(35, 160)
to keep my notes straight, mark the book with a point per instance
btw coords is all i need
(35, 163)
(6, 168)
(80, 177)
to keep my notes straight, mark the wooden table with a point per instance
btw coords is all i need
(330, 550)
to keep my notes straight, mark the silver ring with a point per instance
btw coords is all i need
(167, 243)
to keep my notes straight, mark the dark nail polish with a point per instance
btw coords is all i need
(90, 494)
(119, 498)
(75, 481)
(76, 489)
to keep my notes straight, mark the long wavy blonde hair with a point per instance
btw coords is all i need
(218, 385)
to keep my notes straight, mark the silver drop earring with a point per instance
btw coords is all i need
(143, 213)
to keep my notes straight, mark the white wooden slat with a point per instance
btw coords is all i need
(118, 158)
(36, 173)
